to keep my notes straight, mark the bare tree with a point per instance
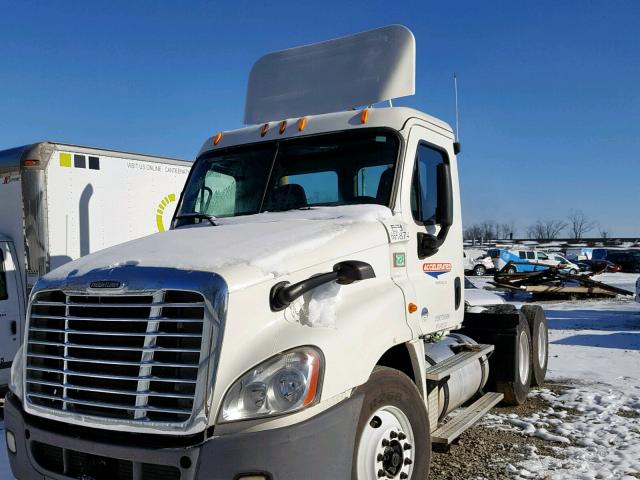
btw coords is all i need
(604, 232)
(579, 224)
(546, 230)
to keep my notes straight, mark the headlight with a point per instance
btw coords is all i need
(15, 385)
(285, 383)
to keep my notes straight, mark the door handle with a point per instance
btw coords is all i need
(14, 327)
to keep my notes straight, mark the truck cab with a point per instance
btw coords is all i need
(303, 318)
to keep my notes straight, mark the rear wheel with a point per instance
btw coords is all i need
(393, 437)
(539, 342)
(517, 386)
(510, 269)
(479, 270)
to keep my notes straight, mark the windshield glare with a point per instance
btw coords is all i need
(345, 168)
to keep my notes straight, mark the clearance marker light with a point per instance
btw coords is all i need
(283, 126)
(413, 308)
(264, 129)
(302, 124)
(217, 138)
(31, 163)
(364, 116)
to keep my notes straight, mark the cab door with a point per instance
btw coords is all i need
(11, 309)
(436, 274)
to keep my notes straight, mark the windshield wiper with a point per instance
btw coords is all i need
(199, 216)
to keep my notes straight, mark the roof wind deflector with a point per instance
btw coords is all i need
(331, 76)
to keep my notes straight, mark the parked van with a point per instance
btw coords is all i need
(585, 253)
(59, 202)
(523, 260)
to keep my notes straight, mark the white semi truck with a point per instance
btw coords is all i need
(303, 318)
(59, 202)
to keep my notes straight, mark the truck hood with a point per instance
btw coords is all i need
(245, 250)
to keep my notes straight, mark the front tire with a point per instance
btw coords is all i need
(393, 438)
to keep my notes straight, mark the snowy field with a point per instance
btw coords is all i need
(595, 350)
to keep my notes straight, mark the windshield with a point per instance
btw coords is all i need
(345, 168)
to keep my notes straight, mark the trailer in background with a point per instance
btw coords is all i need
(59, 202)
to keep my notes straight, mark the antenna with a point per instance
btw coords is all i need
(456, 143)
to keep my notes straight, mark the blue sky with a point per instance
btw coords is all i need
(549, 90)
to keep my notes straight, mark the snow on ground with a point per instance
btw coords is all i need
(594, 347)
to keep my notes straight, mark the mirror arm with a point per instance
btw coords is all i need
(283, 293)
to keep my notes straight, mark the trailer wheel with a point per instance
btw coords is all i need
(479, 270)
(539, 342)
(393, 438)
(516, 388)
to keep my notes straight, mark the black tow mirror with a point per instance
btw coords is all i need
(445, 196)
(428, 244)
(344, 273)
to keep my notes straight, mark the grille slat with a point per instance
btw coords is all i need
(112, 377)
(104, 390)
(123, 334)
(118, 305)
(72, 318)
(116, 347)
(110, 405)
(134, 357)
(111, 362)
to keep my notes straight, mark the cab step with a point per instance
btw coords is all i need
(442, 370)
(451, 430)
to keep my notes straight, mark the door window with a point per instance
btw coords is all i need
(424, 191)
(542, 256)
(3, 279)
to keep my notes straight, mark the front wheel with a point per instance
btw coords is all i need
(511, 270)
(479, 270)
(393, 438)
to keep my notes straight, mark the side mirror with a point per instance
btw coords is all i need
(344, 273)
(445, 196)
(352, 271)
(428, 244)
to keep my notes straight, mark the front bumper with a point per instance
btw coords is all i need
(318, 448)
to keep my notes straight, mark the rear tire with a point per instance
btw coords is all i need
(479, 270)
(517, 387)
(539, 329)
(510, 270)
(393, 416)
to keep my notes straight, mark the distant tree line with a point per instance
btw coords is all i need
(576, 225)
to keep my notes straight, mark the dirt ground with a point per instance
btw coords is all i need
(485, 453)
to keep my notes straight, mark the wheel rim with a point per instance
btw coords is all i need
(524, 358)
(386, 447)
(542, 344)
(479, 271)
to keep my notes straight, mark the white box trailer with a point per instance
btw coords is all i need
(59, 202)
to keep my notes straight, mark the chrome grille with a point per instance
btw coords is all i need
(133, 357)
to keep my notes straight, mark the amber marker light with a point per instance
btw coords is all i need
(315, 360)
(283, 126)
(302, 124)
(31, 163)
(264, 129)
(217, 138)
(413, 308)
(364, 116)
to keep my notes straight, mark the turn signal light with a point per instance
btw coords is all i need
(217, 138)
(413, 308)
(364, 116)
